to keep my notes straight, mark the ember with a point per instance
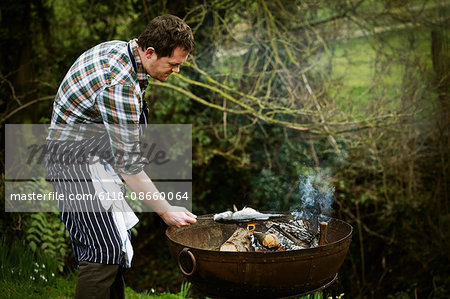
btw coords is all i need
(276, 236)
(271, 232)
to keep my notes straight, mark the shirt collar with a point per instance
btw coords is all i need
(141, 74)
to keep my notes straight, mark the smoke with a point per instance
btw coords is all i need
(316, 194)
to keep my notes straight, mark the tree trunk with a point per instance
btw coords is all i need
(441, 65)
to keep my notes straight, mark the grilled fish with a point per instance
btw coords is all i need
(244, 215)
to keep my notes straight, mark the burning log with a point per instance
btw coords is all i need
(267, 240)
(299, 230)
(276, 235)
(297, 233)
(239, 241)
(323, 233)
(291, 237)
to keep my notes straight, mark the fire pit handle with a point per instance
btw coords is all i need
(194, 262)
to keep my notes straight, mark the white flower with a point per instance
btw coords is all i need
(36, 270)
(53, 274)
(43, 266)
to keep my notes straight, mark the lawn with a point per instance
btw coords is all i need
(27, 273)
(64, 287)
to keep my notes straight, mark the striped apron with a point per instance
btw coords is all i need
(94, 235)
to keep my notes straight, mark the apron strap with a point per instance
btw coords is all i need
(143, 118)
(133, 60)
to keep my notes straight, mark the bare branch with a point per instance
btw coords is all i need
(46, 98)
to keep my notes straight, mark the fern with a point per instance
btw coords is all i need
(46, 232)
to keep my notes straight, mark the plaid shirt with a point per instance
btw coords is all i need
(102, 87)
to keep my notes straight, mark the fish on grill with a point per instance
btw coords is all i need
(244, 215)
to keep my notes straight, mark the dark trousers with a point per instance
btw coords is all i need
(100, 281)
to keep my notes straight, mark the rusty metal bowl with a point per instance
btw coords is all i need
(255, 274)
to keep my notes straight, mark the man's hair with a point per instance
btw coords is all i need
(166, 33)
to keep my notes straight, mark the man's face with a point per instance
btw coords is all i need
(160, 68)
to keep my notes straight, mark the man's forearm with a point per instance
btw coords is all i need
(141, 183)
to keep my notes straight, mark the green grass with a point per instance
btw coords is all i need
(368, 78)
(63, 287)
(20, 263)
(27, 274)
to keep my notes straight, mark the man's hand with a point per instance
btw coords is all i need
(178, 217)
(172, 215)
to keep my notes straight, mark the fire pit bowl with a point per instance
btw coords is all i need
(255, 274)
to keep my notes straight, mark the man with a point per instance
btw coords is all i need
(105, 86)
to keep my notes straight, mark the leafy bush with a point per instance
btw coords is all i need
(46, 233)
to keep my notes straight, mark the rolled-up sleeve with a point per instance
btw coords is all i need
(119, 106)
